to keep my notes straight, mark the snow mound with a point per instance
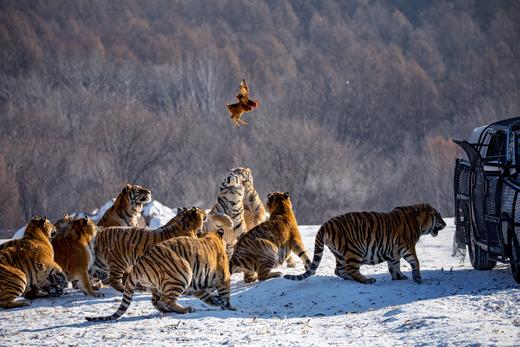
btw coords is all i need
(158, 214)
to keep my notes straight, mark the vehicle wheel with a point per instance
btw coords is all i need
(479, 258)
(515, 259)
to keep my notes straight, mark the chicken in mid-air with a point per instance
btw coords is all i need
(243, 105)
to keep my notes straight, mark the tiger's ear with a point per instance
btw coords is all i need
(269, 195)
(220, 231)
(286, 194)
(127, 187)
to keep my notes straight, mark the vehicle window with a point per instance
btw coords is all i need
(497, 146)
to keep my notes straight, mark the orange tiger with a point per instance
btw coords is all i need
(171, 267)
(270, 243)
(28, 263)
(126, 210)
(73, 250)
(117, 249)
(373, 237)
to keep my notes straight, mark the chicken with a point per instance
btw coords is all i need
(243, 105)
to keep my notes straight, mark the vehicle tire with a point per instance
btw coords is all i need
(479, 258)
(515, 259)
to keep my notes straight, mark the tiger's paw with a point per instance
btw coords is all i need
(371, 281)
(229, 307)
(417, 278)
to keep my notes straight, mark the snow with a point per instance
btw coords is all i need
(455, 305)
(158, 214)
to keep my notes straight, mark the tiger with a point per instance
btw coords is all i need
(216, 221)
(171, 267)
(270, 243)
(230, 201)
(27, 264)
(359, 238)
(126, 210)
(117, 249)
(73, 250)
(254, 209)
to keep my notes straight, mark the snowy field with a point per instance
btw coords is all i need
(455, 305)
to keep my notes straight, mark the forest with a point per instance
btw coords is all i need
(359, 99)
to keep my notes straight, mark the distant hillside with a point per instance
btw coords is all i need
(358, 99)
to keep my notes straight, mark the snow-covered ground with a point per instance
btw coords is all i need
(455, 305)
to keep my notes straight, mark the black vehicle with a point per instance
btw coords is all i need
(487, 201)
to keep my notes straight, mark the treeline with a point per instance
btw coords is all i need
(358, 99)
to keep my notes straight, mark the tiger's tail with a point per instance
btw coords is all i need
(125, 303)
(318, 254)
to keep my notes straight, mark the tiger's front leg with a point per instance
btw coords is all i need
(224, 292)
(411, 257)
(394, 267)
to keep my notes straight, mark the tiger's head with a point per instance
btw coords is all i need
(232, 184)
(220, 223)
(191, 218)
(244, 174)
(135, 196)
(62, 225)
(39, 228)
(83, 228)
(278, 201)
(429, 219)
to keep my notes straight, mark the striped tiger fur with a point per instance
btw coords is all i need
(373, 237)
(126, 210)
(230, 201)
(28, 263)
(171, 267)
(73, 250)
(254, 209)
(270, 243)
(117, 249)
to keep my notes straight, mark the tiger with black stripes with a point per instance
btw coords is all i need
(254, 209)
(126, 210)
(117, 249)
(230, 201)
(270, 243)
(171, 267)
(358, 238)
(74, 252)
(27, 264)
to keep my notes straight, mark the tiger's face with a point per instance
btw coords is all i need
(137, 196)
(232, 184)
(433, 220)
(62, 225)
(244, 174)
(276, 200)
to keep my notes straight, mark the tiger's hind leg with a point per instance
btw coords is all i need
(299, 249)
(86, 286)
(290, 262)
(349, 268)
(115, 277)
(411, 257)
(394, 267)
(172, 288)
(167, 302)
(13, 284)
